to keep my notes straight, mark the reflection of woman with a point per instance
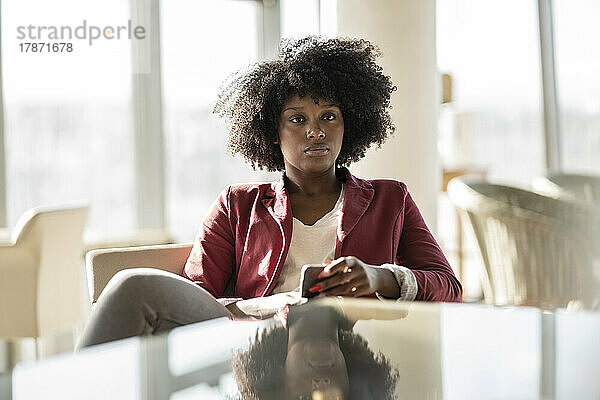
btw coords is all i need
(308, 114)
(316, 355)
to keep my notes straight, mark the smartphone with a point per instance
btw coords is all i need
(309, 278)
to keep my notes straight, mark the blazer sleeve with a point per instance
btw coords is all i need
(419, 251)
(212, 260)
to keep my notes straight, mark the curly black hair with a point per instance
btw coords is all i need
(341, 70)
(260, 371)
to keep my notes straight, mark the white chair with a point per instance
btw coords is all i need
(103, 264)
(41, 273)
(584, 188)
(537, 250)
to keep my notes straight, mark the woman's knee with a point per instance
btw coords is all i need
(136, 282)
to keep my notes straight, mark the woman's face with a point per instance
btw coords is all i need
(310, 134)
(316, 365)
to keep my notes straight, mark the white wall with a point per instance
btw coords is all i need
(405, 32)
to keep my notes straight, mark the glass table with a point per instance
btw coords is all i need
(339, 349)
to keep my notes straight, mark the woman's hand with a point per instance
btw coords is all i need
(349, 276)
(264, 307)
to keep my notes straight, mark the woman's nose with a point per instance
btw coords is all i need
(315, 133)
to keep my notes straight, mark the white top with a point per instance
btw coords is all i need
(314, 244)
(311, 244)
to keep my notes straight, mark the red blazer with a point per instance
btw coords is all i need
(247, 233)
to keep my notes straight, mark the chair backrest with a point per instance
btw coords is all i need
(536, 250)
(581, 187)
(41, 292)
(103, 264)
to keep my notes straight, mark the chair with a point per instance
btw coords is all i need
(102, 264)
(41, 273)
(580, 187)
(536, 250)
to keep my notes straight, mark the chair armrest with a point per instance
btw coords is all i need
(103, 264)
(138, 238)
(18, 292)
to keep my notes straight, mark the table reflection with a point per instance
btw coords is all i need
(315, 354)
(340, 349)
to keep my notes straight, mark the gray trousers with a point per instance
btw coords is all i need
(146, 301)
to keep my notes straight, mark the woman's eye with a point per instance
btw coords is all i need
(329, 117)
(296, 120)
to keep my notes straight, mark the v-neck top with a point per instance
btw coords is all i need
(311, 244)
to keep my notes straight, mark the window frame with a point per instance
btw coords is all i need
(549, 92)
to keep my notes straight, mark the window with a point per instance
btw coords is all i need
(199, 50)
(300, 18)
(491, 50)
(68, 115)
(576, 32)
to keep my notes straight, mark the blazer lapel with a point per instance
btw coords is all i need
(276, 201)
(358, 197)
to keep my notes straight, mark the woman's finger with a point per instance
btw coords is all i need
(333, 268)
(328, 283)
(347, 289)
(363, 290)
(341, 278)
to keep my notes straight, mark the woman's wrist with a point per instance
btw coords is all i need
(387, 284)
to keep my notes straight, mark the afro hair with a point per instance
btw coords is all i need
(341, 70)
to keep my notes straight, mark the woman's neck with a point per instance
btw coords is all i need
(311, 185)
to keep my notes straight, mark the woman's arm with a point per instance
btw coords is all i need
(212, 260)
(419, 252)
(420, 272)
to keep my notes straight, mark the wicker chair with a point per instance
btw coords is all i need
(584, 188)
(536, 250)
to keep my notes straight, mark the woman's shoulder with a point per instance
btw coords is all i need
(242, 196)
(247, 190)
(389, 184)
(384, 185)
(390, 192)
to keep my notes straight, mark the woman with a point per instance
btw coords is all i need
(317, 109)
(310, 113)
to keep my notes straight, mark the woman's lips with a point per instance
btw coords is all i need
(316, 151)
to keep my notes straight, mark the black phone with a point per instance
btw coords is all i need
(309, 277)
